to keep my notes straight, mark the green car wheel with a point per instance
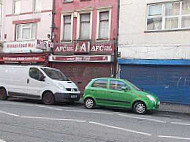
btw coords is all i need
(89, 103)
(139, 107)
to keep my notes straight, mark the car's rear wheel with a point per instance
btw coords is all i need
(3, 94)
(48, 98)
(89, 103)
(139, 107)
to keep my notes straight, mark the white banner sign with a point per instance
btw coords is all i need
(24, 46)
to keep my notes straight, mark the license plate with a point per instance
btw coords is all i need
(73, 96)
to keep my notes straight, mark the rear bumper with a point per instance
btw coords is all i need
(66, 97)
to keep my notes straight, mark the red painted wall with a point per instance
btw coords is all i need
(61, 6)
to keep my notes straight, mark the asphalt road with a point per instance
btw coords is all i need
(31, 121)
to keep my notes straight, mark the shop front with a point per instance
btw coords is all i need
(82, 61)
(33, 52)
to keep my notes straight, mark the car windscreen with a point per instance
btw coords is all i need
(55, 74)
(134, 86)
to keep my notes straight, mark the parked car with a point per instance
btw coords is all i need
(118, 93)
(36, 82)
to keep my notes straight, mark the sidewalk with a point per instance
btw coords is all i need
(174, 108)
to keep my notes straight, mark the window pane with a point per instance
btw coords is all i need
(17, 6)
(154, 24)
(185, 22)
(67, 32)
(104, 25)
(85, 26)
(34, 29)
(172, 9)
(171, 23)
(18, 32)
(155, 10)
(101, 83)
(26, 33)
(67, 28)
(186, 7)
(117, 85)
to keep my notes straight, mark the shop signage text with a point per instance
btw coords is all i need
(85, 58)
(84, 47)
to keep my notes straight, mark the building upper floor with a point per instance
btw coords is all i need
(154, 22)
(26, 19)
(94, 20)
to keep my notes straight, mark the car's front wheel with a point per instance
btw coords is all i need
(139, 107)
(48, 98)
(89, 103)
(3, 94)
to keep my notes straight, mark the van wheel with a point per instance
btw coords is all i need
(48, 98)
(3, 94)
(139, 107)
(89, 103)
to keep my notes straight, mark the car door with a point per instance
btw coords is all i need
(119, 93)
(98, 90)
(35, 83)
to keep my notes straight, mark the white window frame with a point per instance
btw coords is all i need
(78, 24)
(62, 26)
(34, 6)
(30, 26)
(98, 24)
(14, 12)
(163, 16)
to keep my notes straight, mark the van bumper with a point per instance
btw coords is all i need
(66, 97)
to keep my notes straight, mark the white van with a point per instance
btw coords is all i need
(35, 82)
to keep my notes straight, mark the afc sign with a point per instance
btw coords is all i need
(84, 47)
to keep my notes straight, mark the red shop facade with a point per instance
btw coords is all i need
(24, 52)
(82, 61)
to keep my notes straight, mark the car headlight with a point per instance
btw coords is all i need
(151, 98)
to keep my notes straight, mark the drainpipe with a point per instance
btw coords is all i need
(116, 50)
(53, 18)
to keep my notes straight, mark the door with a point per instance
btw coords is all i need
(119, 93)
(35, 83)
(98, 90)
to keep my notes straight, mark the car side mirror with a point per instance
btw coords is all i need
(124, 89)
(42, 78)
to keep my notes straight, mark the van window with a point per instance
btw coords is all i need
(35, 73)
(55, 74)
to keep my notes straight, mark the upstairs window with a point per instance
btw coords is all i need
(85, 28)
(103, 31)
(168, 16)
(16, 6)
(26, 31)
(37, 5)
(67, 28)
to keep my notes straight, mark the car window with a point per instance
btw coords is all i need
(117, 85)
(35, 73)
(100, 83)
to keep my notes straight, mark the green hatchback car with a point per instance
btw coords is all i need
(118, 93)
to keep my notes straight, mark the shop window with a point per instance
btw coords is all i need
(85, 27)
(66, 28)
(16, 6)
(37, 5)
(169, 16)
(26, 31)
(104, 25)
